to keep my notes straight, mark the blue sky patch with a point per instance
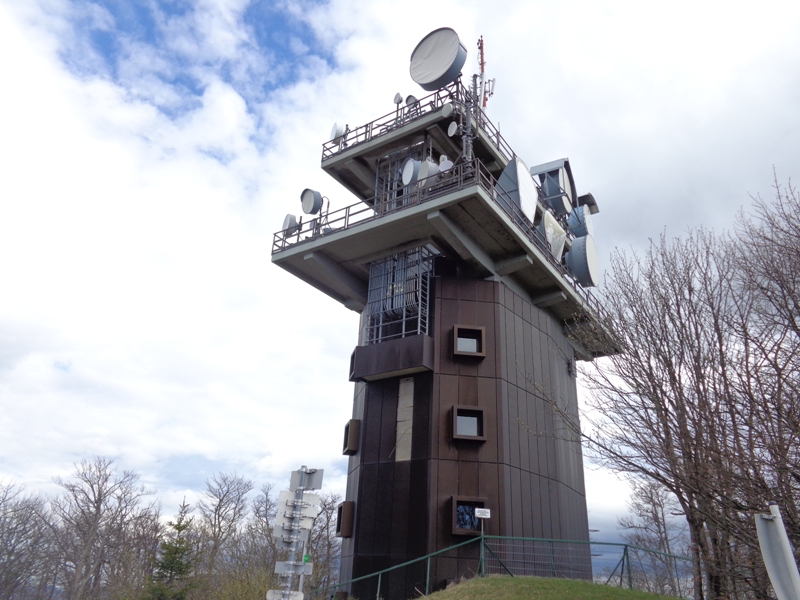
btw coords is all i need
(137, 44)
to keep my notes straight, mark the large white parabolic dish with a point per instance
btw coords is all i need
(437, 59)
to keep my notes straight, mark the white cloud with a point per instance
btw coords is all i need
(140, 315)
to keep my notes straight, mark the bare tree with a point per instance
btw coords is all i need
(655, 523)
(25, 544)
(222, 511)
(703, 397)
(95, 523)
(324, 548)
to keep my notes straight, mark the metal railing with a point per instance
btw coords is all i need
(460, 177)
(455, 93)
(613, 564)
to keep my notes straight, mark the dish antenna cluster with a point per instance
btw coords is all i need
(558, 188)
(311, 202)
(563, 218)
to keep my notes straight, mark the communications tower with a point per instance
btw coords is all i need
(469, 271)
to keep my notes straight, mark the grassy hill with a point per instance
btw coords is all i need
(538, 588)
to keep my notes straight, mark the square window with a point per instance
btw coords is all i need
(469, 341)
(468, 423)
(464, 520)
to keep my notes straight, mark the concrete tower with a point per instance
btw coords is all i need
(468, 270)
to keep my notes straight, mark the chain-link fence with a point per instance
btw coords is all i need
(610, 564)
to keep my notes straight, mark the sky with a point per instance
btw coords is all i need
(149, 149)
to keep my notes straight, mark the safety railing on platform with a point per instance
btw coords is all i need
(455, 93)
(615, 564)
(458, 178)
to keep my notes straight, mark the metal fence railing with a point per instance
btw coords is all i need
(612, 564)
(454, 93)
(460, 177)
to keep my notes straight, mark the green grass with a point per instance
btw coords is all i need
(538, 588)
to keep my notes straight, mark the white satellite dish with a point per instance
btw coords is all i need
(445, 164)
(452, 129)
(437, 59)
(410, 171)
(579, 221)
(290, 224)
(398, 99)
(553, 233)
(447, 110)
(582, 261)
(518, 186)
(337, 131)
(411, 100)
(427, 169)
(311, 201)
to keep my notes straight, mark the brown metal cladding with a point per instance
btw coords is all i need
(529, 469)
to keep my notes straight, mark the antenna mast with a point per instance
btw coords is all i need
(487, 85)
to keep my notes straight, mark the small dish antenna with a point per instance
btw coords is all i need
(582, 261)
(311, 201)
(290, 225)
(411, 100)
(452, 129)
(411, 171)
(579, 221)
(398, 99)
(437, 59)
(447, 110)
(445, 164)
(337, 131)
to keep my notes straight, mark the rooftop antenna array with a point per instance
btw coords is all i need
(545, 195)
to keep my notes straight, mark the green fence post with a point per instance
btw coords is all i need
(552, 560)
(378, 593)
(428, 578)
(482, 564)
(630, 576)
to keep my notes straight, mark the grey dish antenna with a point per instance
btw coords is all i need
(337, 131)
(579, 221)
(582, 261)
(311, 201)
(437, 59)
(290, 224)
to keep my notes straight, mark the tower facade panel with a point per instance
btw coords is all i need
(494, 426)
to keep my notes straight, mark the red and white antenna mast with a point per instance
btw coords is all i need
(487, 85)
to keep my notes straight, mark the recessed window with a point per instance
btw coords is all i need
(464, 520)
(469, 341)
(345, 515)
(351, 433)
(468, 423)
